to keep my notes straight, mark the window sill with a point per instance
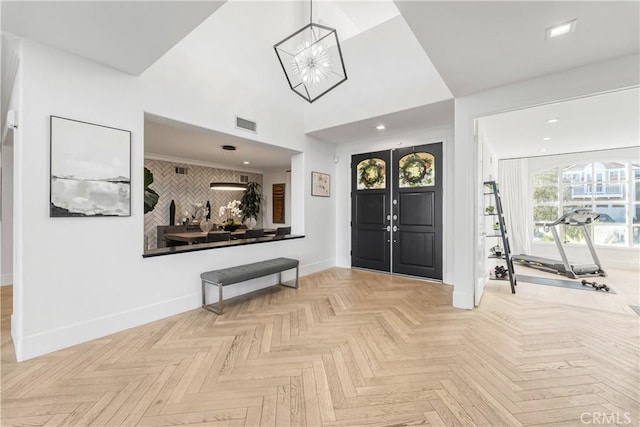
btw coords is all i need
(215, 245)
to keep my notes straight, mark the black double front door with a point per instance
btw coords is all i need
(396, 211)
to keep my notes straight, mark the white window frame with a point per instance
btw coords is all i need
(627, 184)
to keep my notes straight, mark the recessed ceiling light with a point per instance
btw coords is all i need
(543, 150)
(558, 30)
(546, 138)
(245, 162)
(554, 120)
(381, 127)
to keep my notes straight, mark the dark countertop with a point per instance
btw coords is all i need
(215, 245)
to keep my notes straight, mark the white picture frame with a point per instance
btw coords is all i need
(320, 184)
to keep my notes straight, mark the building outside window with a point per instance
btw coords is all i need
(610, 188)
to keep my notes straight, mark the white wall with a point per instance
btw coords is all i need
(64, 266)
(487, 171)
(595, 78)
(6, 232)
(12, 83)
(221, 70)
(343, 176)
(387, 71)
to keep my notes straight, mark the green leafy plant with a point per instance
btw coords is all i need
(251, 201)
(150, 195)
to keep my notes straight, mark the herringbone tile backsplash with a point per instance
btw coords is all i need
(186, 190)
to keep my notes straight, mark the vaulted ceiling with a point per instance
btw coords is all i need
(477, 45)
(464, 46)
(126, 35)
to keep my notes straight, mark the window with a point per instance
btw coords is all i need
(603, 187)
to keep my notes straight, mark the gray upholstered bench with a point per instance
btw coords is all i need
(242, 273)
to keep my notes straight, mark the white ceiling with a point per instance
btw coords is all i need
(126, 35)
(351, 18)
(476, 45)
(599, 122)
(473, 46)
(423, 117)
(164, 138)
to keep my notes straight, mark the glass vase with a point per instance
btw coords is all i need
(206, 225)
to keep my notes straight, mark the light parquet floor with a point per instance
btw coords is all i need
(347, 348)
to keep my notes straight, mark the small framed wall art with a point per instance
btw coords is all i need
(278, 194)
(90, 169)
(320, 184)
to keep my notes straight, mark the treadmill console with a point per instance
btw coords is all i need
(580, 217)
(576, 217)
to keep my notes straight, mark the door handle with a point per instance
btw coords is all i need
(388, 228)
(395, 228)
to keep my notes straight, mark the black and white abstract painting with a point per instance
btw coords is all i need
(90, 169)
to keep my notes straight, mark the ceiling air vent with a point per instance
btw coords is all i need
(181, 170)
(244, 179)
(246, 124)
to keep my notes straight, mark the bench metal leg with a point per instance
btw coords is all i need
(204, 299)
(220, 299)
(284, 284)
(219, 307)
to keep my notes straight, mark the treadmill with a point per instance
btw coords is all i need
(579, 218)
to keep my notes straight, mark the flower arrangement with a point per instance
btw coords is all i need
(229, 212)
(195, 213)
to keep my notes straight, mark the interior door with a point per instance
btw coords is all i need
(370, 216)
(417, 211)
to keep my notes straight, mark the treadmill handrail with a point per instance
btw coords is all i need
(576, 217)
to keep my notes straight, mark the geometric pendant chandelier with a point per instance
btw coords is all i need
(312, 60)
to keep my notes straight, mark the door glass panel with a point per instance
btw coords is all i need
(417, 170)
(372, 174)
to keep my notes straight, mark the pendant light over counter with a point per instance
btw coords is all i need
(228, 186)
(311, 59)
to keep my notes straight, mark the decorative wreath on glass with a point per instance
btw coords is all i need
(371, 174)
(416, 170)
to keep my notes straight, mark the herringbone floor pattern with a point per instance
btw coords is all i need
(348, 348)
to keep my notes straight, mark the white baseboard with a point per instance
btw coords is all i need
(6, 279)
(317, 266)
(343, 261)
(14, 336)
(463, 300)
(56, 339)
(480, 290)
